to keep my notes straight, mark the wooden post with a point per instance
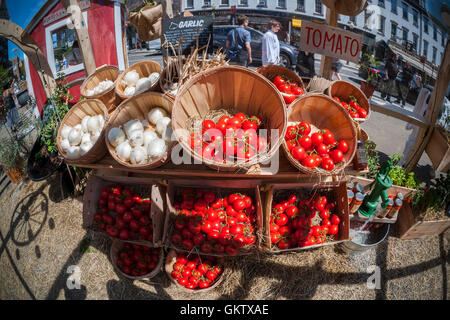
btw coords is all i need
(167, 9)
(73, 8)
(325, 62)
(432, 113)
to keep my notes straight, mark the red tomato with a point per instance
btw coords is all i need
(297, 91)
(292, 198)
(333, 229)
(281, 220)
(304, 128)
(305, 142)
(322, 149)
(335, 219)
(235, 122)
(275, 237)
(291, 132)
(328, 164)
(316, 139)
(224, 119)
(298, 153)
(278, 81)
(247, 124)
(328, 137)
(309, 162)
(324, 214)
(207, 124)
(326, 223)
(362, 113)
(231, 250)
(337, 155)
(291, 211)
(291, 144)
(187, 244)
(343, 146)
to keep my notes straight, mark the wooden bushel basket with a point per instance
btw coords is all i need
(171, 260)
(346, 7)
(270, 71)
(324, 113)
(236, 89)
(134, 108)
(89, 107)
(117, 245)
(344, 89)
(144, 69)
(108, 97)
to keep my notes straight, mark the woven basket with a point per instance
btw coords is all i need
(144, 69)
(170, 261)
(237, 89)
(324, 113)
(346, 7)
(343, 90)
(108, 97)
(171, 61)
(270, 71)
(89, 107)
(117, 245)
(138, 107)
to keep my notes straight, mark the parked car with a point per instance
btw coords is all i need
(288, 53)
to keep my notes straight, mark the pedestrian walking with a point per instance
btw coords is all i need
(305, 64)
(336, 66)
(238, 48)
(271, 44)
(417, 83)
(12, 115)
(391, 73)
(405, 84)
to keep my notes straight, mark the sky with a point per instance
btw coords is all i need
(21, 12)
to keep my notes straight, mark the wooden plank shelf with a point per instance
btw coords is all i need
(285, 172)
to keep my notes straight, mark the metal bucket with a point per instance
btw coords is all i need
(373, 239)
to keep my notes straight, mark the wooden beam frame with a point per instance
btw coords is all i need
(326, 62)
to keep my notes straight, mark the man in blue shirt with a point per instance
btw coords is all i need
(239, 51)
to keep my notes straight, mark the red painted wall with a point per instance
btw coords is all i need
(100, 21)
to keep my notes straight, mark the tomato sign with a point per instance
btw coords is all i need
(330, 41)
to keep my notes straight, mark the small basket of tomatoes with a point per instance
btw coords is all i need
(229, 144)
(193, 272)
(288, 82)
(213, 220)
(135, 261)
(321, 137)
(351, 98)
(131, 212)
(300, 217)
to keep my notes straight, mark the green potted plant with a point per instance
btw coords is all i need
(11, 159)
(370, 65)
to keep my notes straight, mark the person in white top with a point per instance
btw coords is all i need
(271, 45)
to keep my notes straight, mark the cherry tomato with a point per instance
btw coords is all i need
(322, 149)
(335, 219)
(207, 124)
(316, 139)
(343, 146)
(305, 142)
(328, 164)
(337, 155)
(298, 153)
(304, 128)
(309, 162)
(278, 81)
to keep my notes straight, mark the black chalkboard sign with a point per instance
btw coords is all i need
(187, 29)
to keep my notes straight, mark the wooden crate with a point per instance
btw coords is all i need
(409, 228)
(220, 187)
(438, 150)
(336, 189)
(147, 188)
(391, 191)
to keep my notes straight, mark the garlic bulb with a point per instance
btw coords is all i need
(143, 85)
(94, 124)
(132, 125)
(130, 91)
(84, 123)
(116, 136)
(138, 155)
(89, 92)
(156, 114)
(131, 78)
(73, 152)
(136, 138)
(85, 147)
(123, 151)
(153, 77)
(78, 127)
(85, 138)
(65, 145)
(74, 136)
(162, 125)
(156, 148)
(101, 120)
(95, 136)
(149, 136)
(65, 132)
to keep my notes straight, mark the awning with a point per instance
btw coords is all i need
(414, 61)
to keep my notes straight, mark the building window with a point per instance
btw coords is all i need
(225, 3)
(318, 7)
(282, 4)
(262, 3)
(243, 2)
(405, 35)
(415, 41)
(394, 31)
(434, 32)
(425, 25)
(353, 19)
(394, 6)
(206, 3)
(415, 18)
(189, 3)
(425, 48)
(405, 11)
(381, 25)
(434, 55)
(301, 5)
(367, 19)
(381, 3)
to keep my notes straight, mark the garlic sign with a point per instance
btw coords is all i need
(116, 136)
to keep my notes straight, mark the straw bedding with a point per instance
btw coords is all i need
(36, 268)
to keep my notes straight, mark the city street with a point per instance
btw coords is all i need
(390, 134)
